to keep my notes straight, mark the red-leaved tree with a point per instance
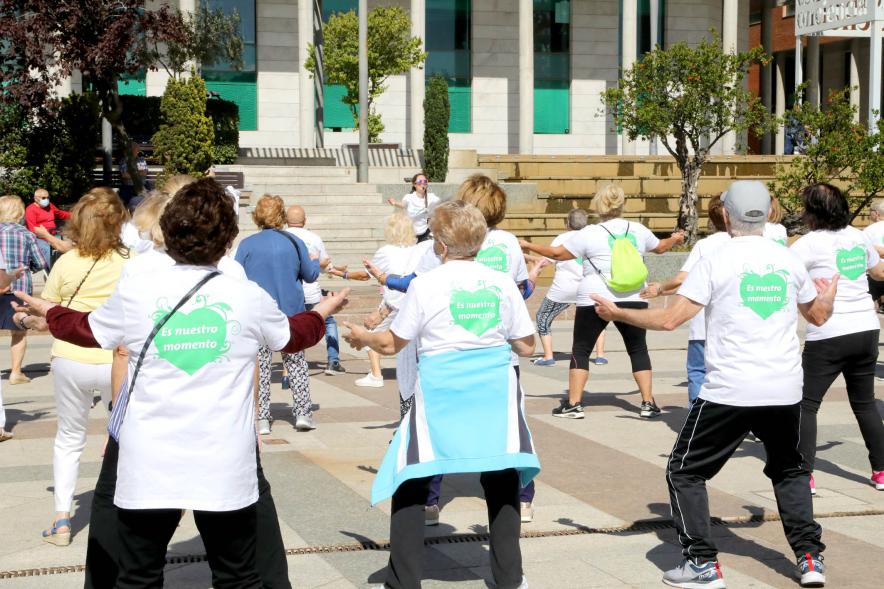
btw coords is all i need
(43, 41)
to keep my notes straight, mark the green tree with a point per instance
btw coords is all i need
(185, 139)
(833, 147)
(391, 51)
(437, 111)
(689, 98)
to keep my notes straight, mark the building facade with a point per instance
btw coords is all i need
(524, 76)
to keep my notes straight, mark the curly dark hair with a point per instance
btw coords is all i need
(825, 208)
(199, 224)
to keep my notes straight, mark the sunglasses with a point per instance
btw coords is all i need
(421, 182)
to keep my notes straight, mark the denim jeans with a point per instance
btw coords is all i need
(46, 250)
(696, 366)
(331, 336)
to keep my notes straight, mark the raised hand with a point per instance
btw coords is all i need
(605, 308)
(357, 336)
(651, 291)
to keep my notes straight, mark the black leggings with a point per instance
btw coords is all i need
(855, 356)
(588, 326)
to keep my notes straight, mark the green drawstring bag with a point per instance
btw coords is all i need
(628, 270)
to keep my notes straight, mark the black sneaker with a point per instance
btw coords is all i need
(334, 368)
(568, 411)
(812, 570)
(649, 409)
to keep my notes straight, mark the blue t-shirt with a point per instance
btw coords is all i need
(271, 260)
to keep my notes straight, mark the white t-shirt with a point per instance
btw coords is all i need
(500, 251)
(704, 248)
(875, 231)
(419, 211)
(568, 275)
(462, 306)
(775, 232)
(594, 243)
(751, 288)
(398, 260)
(849, 252)
(155, 260)
(315, 247)
(188, 438)
(132, 239)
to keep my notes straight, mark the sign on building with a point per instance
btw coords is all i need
(816, 16)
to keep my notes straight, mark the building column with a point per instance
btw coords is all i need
(813, 71)
(730, 23)
(526, 76)
(855, 81)
(417, 76)
(767, 70)
(780, 71)
(306, 104)
(629, 55)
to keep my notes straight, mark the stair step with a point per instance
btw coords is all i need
(296, 171)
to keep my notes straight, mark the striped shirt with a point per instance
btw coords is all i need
(19, 248)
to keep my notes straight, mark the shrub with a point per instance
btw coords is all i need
(225, 121)
(437, 111)
(56, 152)
(185, 139)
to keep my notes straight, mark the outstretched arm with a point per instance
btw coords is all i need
(664, 319)
(559, 252)
(670, 242)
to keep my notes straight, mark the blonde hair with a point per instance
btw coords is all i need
(399, 230)
(147, 216)
(96, 222)
(12, 209)
(460, 226)
(776, 211)
(269, 212)
(176, 182)
(608, 202)
(486, 195)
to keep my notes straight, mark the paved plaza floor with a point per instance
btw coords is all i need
(602, 516)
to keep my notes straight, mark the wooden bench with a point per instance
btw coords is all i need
(234, 179)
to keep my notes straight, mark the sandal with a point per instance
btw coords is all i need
(53, 536)
(5, 435)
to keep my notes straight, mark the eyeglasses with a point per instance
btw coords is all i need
(421, 182)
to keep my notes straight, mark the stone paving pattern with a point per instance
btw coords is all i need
(604, 471)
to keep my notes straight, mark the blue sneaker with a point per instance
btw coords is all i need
(812, 570)
(690, 575)
(544, 362)
(285, 383)
(601, 361)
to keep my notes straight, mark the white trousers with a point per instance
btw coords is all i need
(75, 385)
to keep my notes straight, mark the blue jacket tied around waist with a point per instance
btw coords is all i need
(468, 416)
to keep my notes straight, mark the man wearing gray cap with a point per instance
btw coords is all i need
(752, 290)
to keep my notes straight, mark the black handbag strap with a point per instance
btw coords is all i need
(159, 325)
(79, 286)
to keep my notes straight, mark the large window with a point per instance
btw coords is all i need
(552, 66)
(239, 86)
(448, 45)
(335, 113)
(645, 43)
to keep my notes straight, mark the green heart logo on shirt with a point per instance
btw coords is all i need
(628, 236)
(476, 311)
(780, 241)
(766, 294)
(495, 257)
(851, 263)
(189, 341)
(579, 260)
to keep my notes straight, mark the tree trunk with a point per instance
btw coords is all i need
(687, 205)
(866, 200)
(113, 112)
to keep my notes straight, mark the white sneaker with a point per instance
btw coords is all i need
(264, 427)
(370, 380)
(431, 515)
(527, 512)
(303, 423)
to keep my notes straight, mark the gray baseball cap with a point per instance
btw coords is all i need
(747, 201)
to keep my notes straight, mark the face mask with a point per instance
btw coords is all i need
(145, 235)
(44, 202)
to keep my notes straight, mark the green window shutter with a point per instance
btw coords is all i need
(134, 85)
(552, 107)
(460, 95)
(245, 94)
(335, 113)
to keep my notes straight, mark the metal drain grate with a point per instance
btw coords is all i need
(638, 527)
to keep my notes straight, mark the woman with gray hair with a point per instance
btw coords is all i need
(563, 292)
